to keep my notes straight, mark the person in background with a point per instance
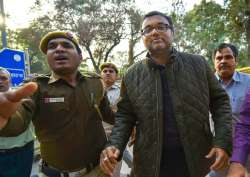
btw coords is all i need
(16, 153)
(168, 97)
(235, 83)
(67, 109)
(109, 74)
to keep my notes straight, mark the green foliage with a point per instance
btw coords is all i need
(202, 29)
(207, 25)
(30, 38)
(238, 16)
(101, 25)
(27, 40)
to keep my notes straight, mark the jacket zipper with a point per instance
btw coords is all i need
(158, 129)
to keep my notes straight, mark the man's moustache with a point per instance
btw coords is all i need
(225, 65)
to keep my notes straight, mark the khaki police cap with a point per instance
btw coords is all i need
(108, 65)
(58, 34)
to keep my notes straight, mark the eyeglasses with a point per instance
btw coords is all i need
(108, 70)
(159, 28)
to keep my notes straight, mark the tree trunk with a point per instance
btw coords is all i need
(92, 59)
(130, 52)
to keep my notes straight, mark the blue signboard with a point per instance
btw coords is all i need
(14, 62)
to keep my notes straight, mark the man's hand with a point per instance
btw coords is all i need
(108, 159)
(221, 160)
(10, 100)
(236, 170)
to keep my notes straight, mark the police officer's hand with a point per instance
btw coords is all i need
(221, 158)
(10, 100)
(108, 159)
(236, 170)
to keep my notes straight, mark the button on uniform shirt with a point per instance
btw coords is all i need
(236, 89)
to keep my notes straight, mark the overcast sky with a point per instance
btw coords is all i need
(20, 16)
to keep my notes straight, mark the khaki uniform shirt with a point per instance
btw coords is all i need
(67, 120)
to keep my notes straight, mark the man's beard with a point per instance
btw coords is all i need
(160, 51)
(154, 50)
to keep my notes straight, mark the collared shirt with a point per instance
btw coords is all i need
(113, 94)
(18, 141)
(236, 90)
(241, 148)
(67, 120)
(53, 78)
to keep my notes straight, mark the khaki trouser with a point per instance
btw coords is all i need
(96, 172)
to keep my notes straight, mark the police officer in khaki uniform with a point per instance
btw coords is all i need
(67, 109)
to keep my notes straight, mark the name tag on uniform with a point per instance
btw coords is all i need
(54, 100)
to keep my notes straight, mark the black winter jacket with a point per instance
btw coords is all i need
(195, 93)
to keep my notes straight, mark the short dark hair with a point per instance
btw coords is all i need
(225, 45)
(168, 18)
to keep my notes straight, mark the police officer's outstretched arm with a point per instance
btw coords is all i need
(10, 100)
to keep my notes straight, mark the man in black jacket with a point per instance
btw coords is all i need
(168, 97)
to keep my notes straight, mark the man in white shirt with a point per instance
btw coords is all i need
(16, 153)
(109, 74)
